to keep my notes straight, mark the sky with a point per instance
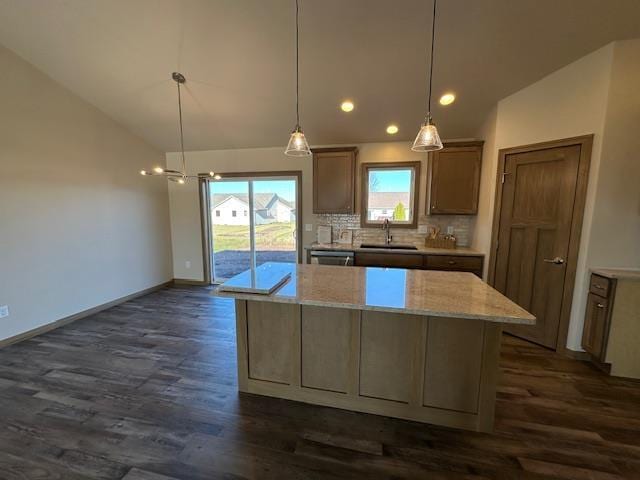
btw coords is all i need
(284, 188)
(391, 180)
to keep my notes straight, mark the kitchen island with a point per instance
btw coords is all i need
(412, 344)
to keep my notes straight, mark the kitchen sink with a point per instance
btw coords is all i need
(391, 246)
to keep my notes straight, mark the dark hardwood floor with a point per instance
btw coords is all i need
(147, 391)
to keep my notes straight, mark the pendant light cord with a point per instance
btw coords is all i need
(433, 37)
(297, 74)
(184, 166)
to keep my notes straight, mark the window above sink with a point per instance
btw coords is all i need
(390, 192)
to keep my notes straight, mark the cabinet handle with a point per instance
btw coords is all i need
(599, 287)
(451, 262)
(599, 305)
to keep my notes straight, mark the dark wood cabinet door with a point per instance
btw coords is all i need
(334, 180)
(453, 263)
(595, 326)
(455, 180)
(397, 260)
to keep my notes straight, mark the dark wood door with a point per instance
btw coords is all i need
(334, 180)
(534, 235)
(455, 180)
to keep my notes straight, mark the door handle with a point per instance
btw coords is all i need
(555, 261)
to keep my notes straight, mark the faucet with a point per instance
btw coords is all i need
(386, 228)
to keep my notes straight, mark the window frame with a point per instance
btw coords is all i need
(365, 168)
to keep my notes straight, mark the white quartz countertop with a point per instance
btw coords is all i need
(421, 249)
(396, 290)
(618, 273)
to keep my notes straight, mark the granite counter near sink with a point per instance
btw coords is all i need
(406, 343)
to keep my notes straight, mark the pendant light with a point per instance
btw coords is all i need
(181, 176)
(428, 139)
(297, 146)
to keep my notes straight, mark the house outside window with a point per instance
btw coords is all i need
(217, 213)
(234, 213)
(389, 193)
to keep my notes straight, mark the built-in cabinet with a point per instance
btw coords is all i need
(611, 331)
(334, 177)
(596, 317)
(454, 179)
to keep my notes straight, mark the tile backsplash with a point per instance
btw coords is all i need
(462, 228)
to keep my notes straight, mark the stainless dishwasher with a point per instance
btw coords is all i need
(329, 257)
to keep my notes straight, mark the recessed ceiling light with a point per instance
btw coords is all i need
(447, 99)
(347, 106)
(392, 129)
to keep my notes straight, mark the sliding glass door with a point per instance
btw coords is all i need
(253, 220)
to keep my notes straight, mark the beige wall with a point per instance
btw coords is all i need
(78, 226)
(185, 210)
(594, 95)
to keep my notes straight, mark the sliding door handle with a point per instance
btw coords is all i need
(555, 261)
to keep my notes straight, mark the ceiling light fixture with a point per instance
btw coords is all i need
(428, 139)
(347, 106)
(178, 176)
(297, 146)
(447, 99)
(392, 129)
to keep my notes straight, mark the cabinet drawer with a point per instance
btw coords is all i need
(453, 262)
(600, 285)
(399, 260)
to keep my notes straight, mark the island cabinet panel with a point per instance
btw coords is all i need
(271, 330)
(453, 364)
(326, 358)
(430, 369)
(387, 356)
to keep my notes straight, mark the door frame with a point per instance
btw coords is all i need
(586, 143)
(205, 220)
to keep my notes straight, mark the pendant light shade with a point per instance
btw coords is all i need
(428, 138)
(298, 145)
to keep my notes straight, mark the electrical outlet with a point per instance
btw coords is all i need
(187, 264)
(449, 230)
(4, 311)
(308, 227)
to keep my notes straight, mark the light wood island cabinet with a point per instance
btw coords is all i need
(413, 344)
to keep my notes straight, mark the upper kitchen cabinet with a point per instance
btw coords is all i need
(455, 179)
(334, 175)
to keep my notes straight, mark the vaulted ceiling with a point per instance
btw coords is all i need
(238, 57)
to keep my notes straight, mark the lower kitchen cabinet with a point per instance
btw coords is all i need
(395, 260)
(596, 326)
(611, 332)
(451, 263)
